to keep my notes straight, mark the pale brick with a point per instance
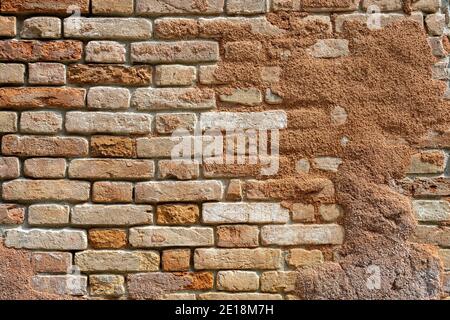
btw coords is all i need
(108, 122)
(177, 214)
(58, 7)
(178, 296)
(9, 168)
(178, 169)
(11, 214)
(110, 192)
(108, 28)
(105, 52)
(111, 215)
(7, 26)
(432, 235)
(298, 258)
(239, 296)
(117, 261)
(51, 262)
(46, 239)
(150, 237)
(437, 47)
(48, 215)
(170, 122)
(47, 73)
(327, 163)
(383, 5)
(260, 258)
(237, 281)
(329, 48)
(46, 51)
(41, 27)
(303, 212)
(298, 234)
(246, 6)
(173, 98)
(45, 168)
(228, 212)
(8, 122)
(42, 190)
(278, 281)
(176, 260)
(36, 146)
(330, 212)
(173, 191)
(107, 238)
(125, 169)
(431, 210)
(430, 161)
(74, 285)
(39, 122)
(175, 52)
(314, 6)
(112, 7)
(236, 236)
(248, 97)
(175, 75)
(158, 147)
(444, 254)
(207, 75)
(12, 73)
(435, 24)
(426, 5)
(244, 120)
(164, 7)
(108, 98)
(106, 285)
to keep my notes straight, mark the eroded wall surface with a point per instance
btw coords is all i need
(224, 149)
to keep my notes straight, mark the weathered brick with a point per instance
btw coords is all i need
(41, 27)
(330, 212)
(111, 215)
(112, 7)
(8, 122)
(9, 168)
(46, 239)
(164, 7)
(12, 73)
(178, 296)
(175, 52)
(62, 7)
(237, 281)
(260, 258)
(105, 52)
(228, 212)
(75, 285)
(207, 75)
(248, 97)
(125, 169)
(112, 192)
(108, 28)
(303, 212)
(234, 190)
(51, 262)
(176, 28)
(97, 74)
(297, 234)
(33, 50)
(236, 236)
(298, 258)
(244, 120)
(435, 24)
(432, 235)
(106, 285)
(173, 98)
(246, 7)
(444, 254)
(117, 261)
(42, 190)
(108, 98)
(327, 163)
(430, 161)
(429, 6)
(176, 260)
(314, 6)
(170, 122)
(329, 48)
(157, 147)
(175, 75)
(11, 214)
(47, 73)
(107, 238)
(149, 237)
(178, 169)
(108, 122)
(431, 210)
(7, 26)
(48, 215)
(423, 187)
(239, 296)
(278, 281)
(32, 98)
(176, 214)
(37, 146)
(39, 122)
(383, 5)
(168, 191)
(113, 146)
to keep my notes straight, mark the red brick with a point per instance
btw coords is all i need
(51, 262)
(33, 50)
(43, 6)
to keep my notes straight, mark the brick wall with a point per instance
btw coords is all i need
(91, 92)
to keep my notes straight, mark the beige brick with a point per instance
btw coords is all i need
(173, 191)
(34, 98)
(178, 296)
(7, 26)
(303, 212)
(106, 285)
(170, 122)
(432, 235)
(39, 122)
(177, 214)
(296, 234)
(108, 28)
(9, 168)
(298, 258)
(327, 163)
(246, 7)
(111, 215)
(105, 52)
(330, 212)
(260, 258)
(430, 161)
(175, 75)
(244, 120)
(108, 98)
(435, 24)
(207, 75)
(8, 122)
(47, 73)
(42, 190)
(426, 5)
(112, 7)
(45, 168)
(150, 237)
(41, 27)
(383, 5)
(57, 7)
(108, 122)
(125, 169)
(46, 239)
(117, 261)
(173, 98)
(110, 192)
(51, 262)
(329, 48)
(248, 97)
(237, 281)
(431, 210)
(12, 73)
(158, 147)
(444, 254)
(238, 296)
(178, 169)
(234, 190)
(75, 285)
(35, 146)
(48, 215)
(176, 260)
(279, 281)
(162, 7)
(11, 214)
